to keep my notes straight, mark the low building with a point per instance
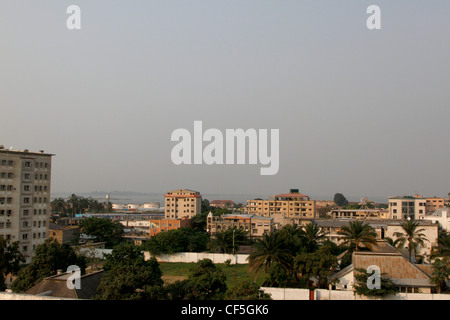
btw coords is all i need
(64, 234)
(56, 286)
(142, 229)
(256, 226)
(360, 214)
(440, 216)
(406, 276)
(384, 229)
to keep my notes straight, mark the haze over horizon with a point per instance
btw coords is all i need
(361, 112)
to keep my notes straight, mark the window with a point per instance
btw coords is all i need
(27, 164)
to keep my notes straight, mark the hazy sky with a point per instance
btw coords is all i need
(361, 112)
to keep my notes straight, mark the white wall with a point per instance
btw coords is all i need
(22, 296)
(188, 257)
(323, 294)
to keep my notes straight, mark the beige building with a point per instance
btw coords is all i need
(25, 198)
(402, 208)
(182, 203)
(256, 226)
(406, 276)
(434, 203)
(286, 207)
(359, 214)
(384, 229)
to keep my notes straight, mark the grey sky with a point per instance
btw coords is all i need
(360, 112)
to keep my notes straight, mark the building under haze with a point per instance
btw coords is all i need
(412, 207)
(182, 203)
(287, 208)
(25, 198)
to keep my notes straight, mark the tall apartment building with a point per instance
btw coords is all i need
(25, 198)
(182, 203)
(284, 207)
(405, 207)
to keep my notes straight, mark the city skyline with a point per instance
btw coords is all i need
(360, 112)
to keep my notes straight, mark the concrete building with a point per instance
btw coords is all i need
(384, 229)
(64, 234)
(440, 216)
(434, 203)
(402, 208)
(284, 207)
(25, 198)
(406, 276)
(56, 286)
(359, 214)
(256, 226)
(182, 203)
(151, 227)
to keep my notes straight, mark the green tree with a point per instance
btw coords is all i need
(440, 274)
(411, 236)
(224, 240)
(290, 238)
(246, 290)
(178, 240)
(103, 229)
(320, 265)
(10, 260)
(340, 200)
(49, 257)
(129, 277)
(205, 282)
(267, 250)
(387, 287)
(311, 236)
(358, 234)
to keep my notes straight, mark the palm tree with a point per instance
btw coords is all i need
(411, 236)
(356, 234)
(311, 235)
(268, 250)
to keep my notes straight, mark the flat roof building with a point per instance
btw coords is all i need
(182, 203)
(25, 179)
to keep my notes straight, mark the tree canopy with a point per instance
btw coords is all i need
(49, 257)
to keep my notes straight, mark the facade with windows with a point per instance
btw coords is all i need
(402, 208)
(182, 203)
(25, 179)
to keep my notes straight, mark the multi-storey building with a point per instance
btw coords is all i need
(407, 207)
(255, 226)
(25, 198)
(285, 207)
(182, 203)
